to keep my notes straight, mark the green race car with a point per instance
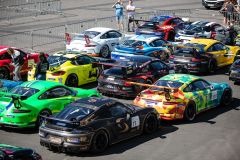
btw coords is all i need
(21, 106)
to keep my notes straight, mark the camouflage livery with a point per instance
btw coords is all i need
(175, 106)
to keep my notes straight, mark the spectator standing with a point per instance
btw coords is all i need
(130, 14)
(17, 63)
(119, 12)
(42, 67)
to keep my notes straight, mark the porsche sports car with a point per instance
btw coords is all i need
(237, 40)
(162, 25)
(8, 152)
(95, 123)
(134, 69)
(205, 29)
(6, 71)
(71, 68)
(204, 55)
(21, 106)
(178, 96)
(146, 45)
(7, 85)
(97, 41)
(234, 72)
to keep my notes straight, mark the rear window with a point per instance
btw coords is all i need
(91, 34)
(24, 91)
(167, 83)
(134, 43)
(55, 61)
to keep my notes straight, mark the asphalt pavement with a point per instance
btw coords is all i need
(213, 135)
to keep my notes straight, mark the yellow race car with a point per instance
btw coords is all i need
(204, 55)
(70, 68)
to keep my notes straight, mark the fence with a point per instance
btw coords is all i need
(29, 9)
(41, 37)
(5, 3)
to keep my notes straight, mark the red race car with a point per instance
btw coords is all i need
(161, 25)
(6, 71)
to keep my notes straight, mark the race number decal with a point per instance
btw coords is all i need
(214, 95)
(30, 62)
(135, 121)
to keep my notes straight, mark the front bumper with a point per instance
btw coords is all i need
(212, 4)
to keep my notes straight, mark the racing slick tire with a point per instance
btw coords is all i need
(234, 35)
(4, 73)
(72, 80)
(171, 36)
(226, 97)
(39, 121)
(150, 124)
(104, 52)
(100, 142)
(238, 54)
(190, 111)
(212, 66)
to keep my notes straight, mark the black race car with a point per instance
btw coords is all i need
(94, 123)
(8, 152)
(140, 69)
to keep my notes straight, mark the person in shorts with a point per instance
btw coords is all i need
(119, 13)
(130, 13)
(230, 9)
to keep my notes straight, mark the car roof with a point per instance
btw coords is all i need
(40, 85)
(100, 29)
(206, 23)
(95, 101)
(69, 54)
(204, 41)
(141, 59)
(184, 78)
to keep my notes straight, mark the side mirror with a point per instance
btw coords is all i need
(228, 48)
(128, 116)
(211, 86)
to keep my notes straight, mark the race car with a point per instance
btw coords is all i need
(162, 25)
(21, 106)
(6, 71)
(146, 45)
(234, 72)
(204, 55)
(140, 69)
(7, 85)
(71, 68)
(8, 152)
(97, 41)
(95, 123)
(206, 29)
(178, 96)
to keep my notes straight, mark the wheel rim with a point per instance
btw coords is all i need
(227, 97)
(72, 81)
(101, 142)
(105, 51)
(190, 112)
(212, 66)
(151, 123)
(3, 73)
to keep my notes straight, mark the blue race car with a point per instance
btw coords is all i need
(7, 85)
(146, 45)
(162, 25)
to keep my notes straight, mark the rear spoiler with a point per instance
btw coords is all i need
(125, 69)
(166, 89)
(68, 38)
(155, 23)
(15, 98)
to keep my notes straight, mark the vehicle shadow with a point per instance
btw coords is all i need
(221, 71)
(20, 130)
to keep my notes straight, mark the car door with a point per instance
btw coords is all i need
(218, 50)
(113, 39)
(57, 98)
(89, 72)
(159, 69)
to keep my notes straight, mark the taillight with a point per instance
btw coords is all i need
(58, 73)
(236, 66)
(100, 77)
(90, 45)
(171, 57)
(21, 111)
(169, 103)
(195, 37)
(194, 59)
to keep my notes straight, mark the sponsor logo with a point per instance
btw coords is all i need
(60, 80)
(10, 116)
(61, 124)
(51, 79)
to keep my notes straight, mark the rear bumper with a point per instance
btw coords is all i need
(93, 51)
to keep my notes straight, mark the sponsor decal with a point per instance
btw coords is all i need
(180, 105)
(61, 124)
(51, 79)
(60, 80)
(10, 116)
(73, 140)
(41, 133)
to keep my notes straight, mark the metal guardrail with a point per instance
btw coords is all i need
(29, 10)
(6, 3)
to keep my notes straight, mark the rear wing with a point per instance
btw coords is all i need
(68, 38)
(166, 89)
(103, 66)
(15, 98)
(155, 23)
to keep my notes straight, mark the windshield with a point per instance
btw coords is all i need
(77, 111)
(91, 34)
(167, 83)
(134, 43)
(56, 60)
(161, 20)
(24, 91)
(196, 45)
(195, 27)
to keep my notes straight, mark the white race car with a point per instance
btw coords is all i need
(205, 29)
(97, 41)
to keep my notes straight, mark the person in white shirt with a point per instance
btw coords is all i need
(130, 13)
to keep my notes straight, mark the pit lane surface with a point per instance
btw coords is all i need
(213, 135)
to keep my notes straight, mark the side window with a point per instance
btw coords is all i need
(190, 88)
(146, 68)
(200, 85)
(118, 109)
(23, 54)
(160, 43)
(5, 56)
(210, 49)
(104, 36)
(170, 22)
(153, 44)
(213, 48)
(119, 34)
(176, 21)
(87, 60)
(158, 65)
(56, 93)
(113, 34)
(219, 46)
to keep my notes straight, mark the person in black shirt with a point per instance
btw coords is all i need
(42, 67)
(230, 9)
